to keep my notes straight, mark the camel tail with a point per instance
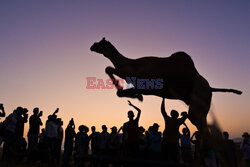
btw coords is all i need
(226, 90)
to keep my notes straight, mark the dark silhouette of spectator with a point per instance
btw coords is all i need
(2, 114)
(13, 132)
(68, 143)
(51, 129)
(231, 148)
(81, 145)
(114, 142)
(22, 118)
(42, 136)
(59, 139)
(103, 140)
(34, 129)
(154, 142)
(21, 143)
(245, 147)
(171, 132)
(185, 138)
(43, 151)
(197, 146)
(131, 132)
(94, 141)
(142, 142)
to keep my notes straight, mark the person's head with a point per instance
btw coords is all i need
(93, 129)
(71, 122)
(245, 137)
(104, 128)
(130, 114)
(25, 112)
(58, 121)
(141, 130)
(150, 128)
(18, 110)
(43, 130)
(36, 111)
(174, 114)
(226, 135)
(114, 129)
(83, 128)
(184, 131)
(155, 127)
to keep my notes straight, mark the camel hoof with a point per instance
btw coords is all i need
(119, 93)
(140, 97)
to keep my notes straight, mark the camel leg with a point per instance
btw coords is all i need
(132, 93)
(198, 110)
(111, 71)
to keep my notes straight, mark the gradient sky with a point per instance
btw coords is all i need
(45, 55)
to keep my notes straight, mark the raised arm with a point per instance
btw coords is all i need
(163, 111)
(139, 111)
(57, 110)
(188, 131)
(183, 118)
(2, 114)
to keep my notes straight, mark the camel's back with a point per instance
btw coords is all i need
(177, 63)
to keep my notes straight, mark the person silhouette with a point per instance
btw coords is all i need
(142, 142)
(185, 139)
(171, 132)
(155, 142)
(93, 137)
(59, 139)
(197, 146)
(114, 142)
(2, 114)
(245, 147)
(231, 148)
(103, 140)
(131, 131)
(68, 143)
(34, 129)
(81, 145)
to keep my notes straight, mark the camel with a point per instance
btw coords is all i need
(181, 80)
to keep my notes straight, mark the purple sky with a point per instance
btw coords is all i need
(45, 56)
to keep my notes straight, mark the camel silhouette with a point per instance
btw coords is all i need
(181, 80)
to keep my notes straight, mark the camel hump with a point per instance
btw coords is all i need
(182, 57)
(226, 90)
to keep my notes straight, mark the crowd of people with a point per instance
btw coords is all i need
(130, 144)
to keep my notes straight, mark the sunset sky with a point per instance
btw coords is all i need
(45, 55)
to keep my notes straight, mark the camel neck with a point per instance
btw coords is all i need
(117, 59)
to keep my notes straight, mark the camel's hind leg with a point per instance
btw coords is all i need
(200, 104)
(198, 110)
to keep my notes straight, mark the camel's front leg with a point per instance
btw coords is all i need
(111, 71)
(132, 93)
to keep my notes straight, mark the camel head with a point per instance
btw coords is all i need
(103, 47)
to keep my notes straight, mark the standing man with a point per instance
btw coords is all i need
(171, 132)
(131, 131)
(69, 142)
(34, 130)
